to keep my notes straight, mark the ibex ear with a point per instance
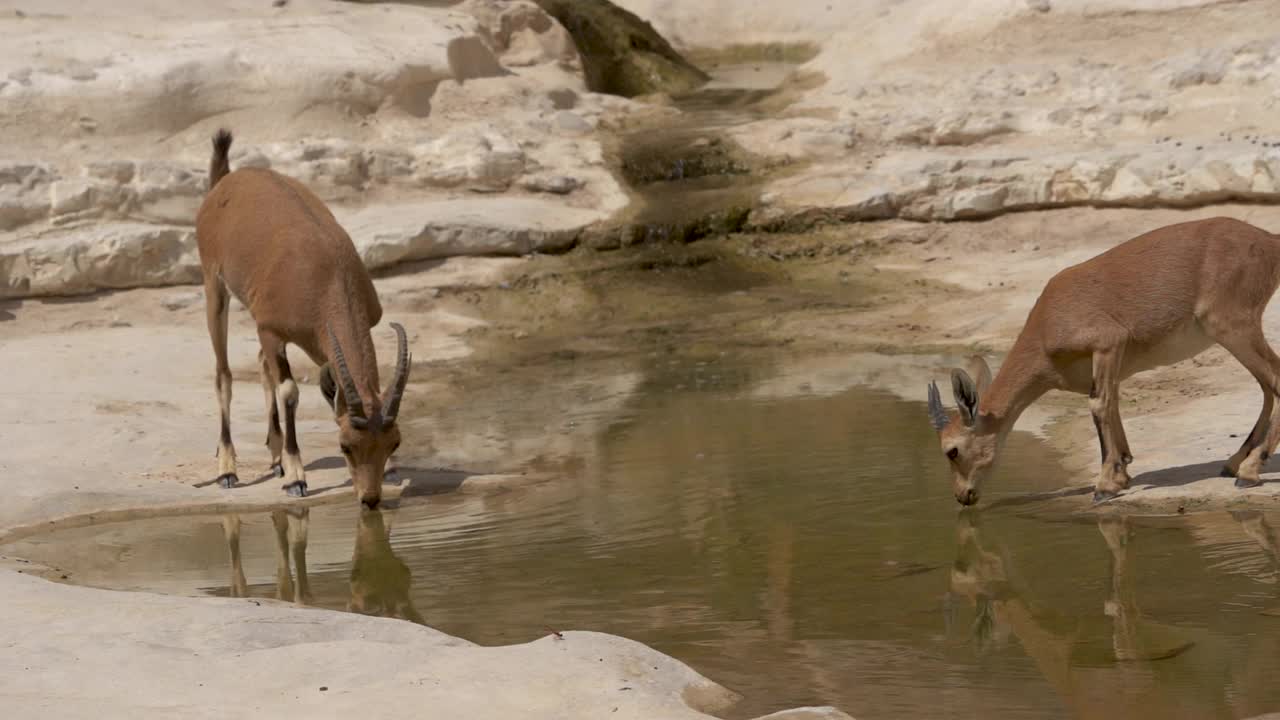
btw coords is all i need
(329, 388)
(966, 396)
(980, 371)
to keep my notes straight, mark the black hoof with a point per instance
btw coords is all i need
(1245, 484)
(277, 470)
(1226, 472)
(228, 481)
(297, 489)
(392, 477)
(1101, 496)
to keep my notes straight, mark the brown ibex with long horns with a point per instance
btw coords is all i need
(272, 243)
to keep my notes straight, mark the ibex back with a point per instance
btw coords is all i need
(1159, 298)
(273, 244)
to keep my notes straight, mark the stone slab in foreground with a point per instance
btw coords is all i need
(75, 652)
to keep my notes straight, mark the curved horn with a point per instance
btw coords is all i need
(937, 415)
(395, 391)
(355, 408)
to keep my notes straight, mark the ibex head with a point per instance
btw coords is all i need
(366, 438)
(969, 440)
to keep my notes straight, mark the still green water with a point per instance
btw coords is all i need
(798, 548)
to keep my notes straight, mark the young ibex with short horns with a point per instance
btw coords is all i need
(1159, 298)
(273, 244)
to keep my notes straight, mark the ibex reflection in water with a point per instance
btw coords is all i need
(380, 581)
(291, 548)
(1128, 683)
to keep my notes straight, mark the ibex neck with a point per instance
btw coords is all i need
(1020, 382)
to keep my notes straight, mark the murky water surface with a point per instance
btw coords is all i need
(796, 547)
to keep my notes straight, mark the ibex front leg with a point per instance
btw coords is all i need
(273, 353)
(1104, 404)
(275, 439)
(217, 307)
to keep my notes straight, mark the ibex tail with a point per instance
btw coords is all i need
(218, 164)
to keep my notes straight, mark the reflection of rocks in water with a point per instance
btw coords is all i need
(291, 549)
(380, 581)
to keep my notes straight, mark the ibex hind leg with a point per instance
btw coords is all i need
(217, 307)
(1263, 429)
(1252, 350)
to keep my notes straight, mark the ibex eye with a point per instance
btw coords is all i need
(953, 453)
(346, 450)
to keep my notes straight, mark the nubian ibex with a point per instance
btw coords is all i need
(1159, 298)
(271, 242)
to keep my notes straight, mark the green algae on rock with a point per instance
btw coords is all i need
(621, 53)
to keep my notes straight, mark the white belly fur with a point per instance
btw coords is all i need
(1186, 342)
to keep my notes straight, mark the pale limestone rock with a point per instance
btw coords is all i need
(70, 196)
(98, 256)
(134, 653)
(389, 234)
(18, 207)
(477, 157)
(571, 123)
(116, 171)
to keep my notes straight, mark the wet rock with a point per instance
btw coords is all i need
(554, 184)
(621, 53)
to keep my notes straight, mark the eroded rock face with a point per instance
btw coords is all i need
(411, 110)
(1001, 105)
(621, 53)
(925, 188)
